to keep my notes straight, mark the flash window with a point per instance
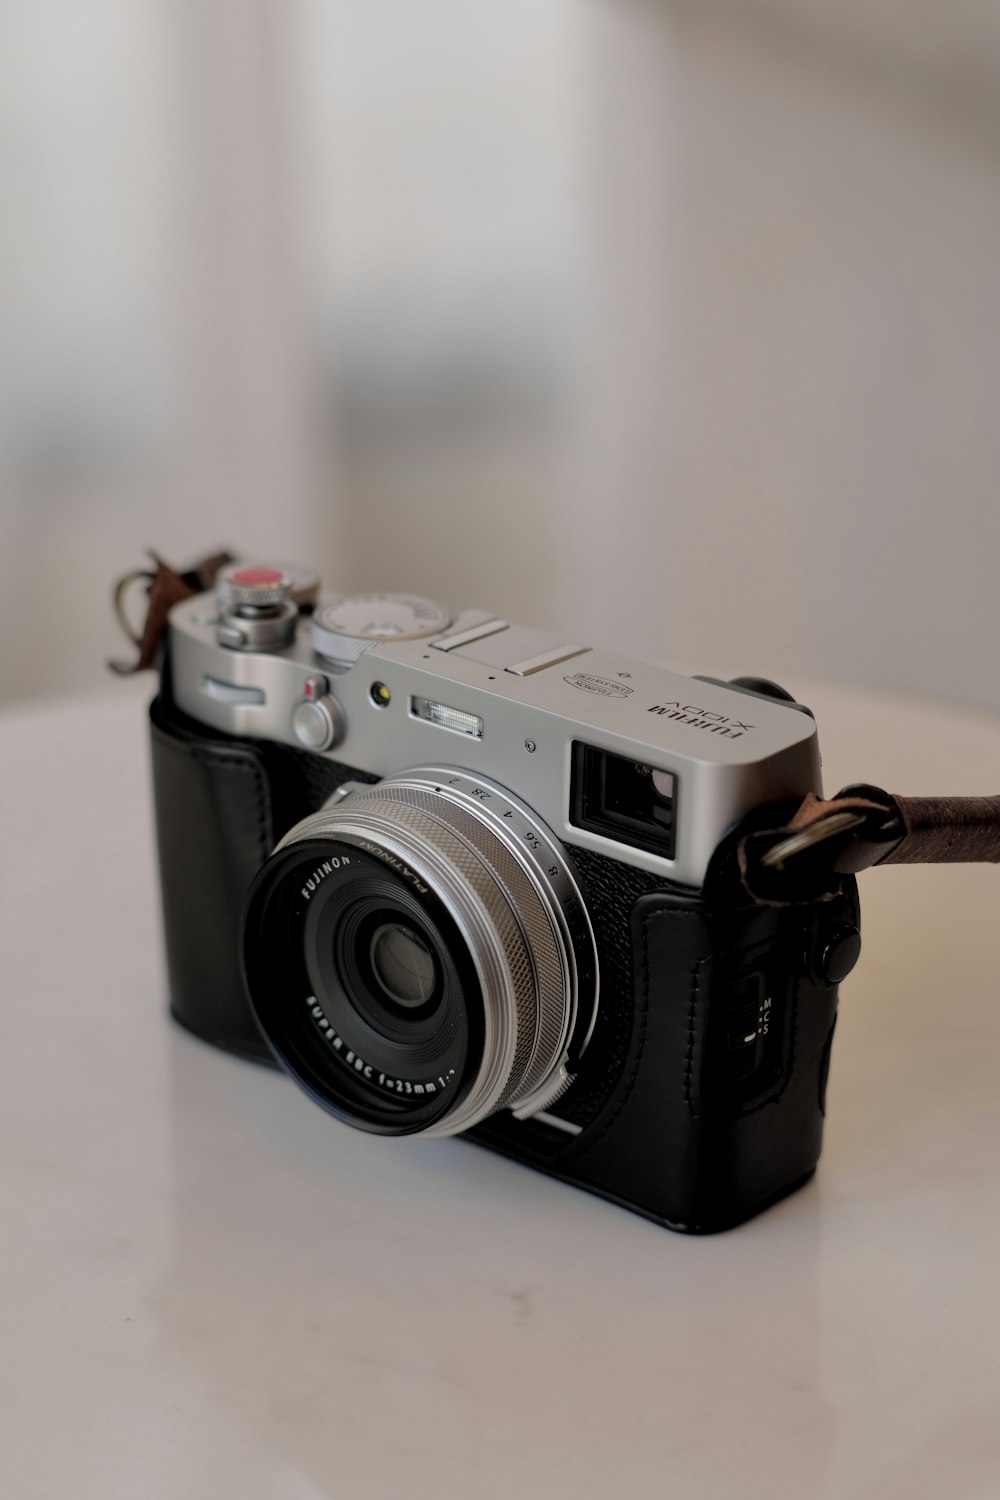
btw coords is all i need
(446, 717)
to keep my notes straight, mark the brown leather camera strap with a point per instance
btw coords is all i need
(165, 587)
(860, 827)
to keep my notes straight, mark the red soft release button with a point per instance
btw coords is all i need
(257, 575)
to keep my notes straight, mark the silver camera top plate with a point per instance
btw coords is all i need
(510, 703)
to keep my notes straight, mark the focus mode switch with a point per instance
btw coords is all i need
(316, 719)
(747, 1024)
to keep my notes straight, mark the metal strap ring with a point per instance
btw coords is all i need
(805, 838)
(121, 589)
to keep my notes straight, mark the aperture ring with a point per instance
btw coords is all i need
(514, 906)
(526, 975)
(496, 943)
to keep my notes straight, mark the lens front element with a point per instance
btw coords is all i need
(403, 964)
(418, 956)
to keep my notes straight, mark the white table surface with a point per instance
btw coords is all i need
(211, 1289)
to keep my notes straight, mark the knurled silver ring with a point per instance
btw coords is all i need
(525, 969)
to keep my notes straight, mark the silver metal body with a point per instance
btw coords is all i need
(532, 694)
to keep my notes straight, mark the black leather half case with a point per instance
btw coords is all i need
(221, 805)
(690, 1137)
(675, 1115)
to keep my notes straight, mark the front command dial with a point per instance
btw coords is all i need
(343, 630)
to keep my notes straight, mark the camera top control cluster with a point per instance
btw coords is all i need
(619, 756)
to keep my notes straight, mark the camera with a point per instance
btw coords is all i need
(456, 875)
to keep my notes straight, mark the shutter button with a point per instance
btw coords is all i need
(257, 608)
(253, 588)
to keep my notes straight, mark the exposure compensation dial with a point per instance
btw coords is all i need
(342, 631)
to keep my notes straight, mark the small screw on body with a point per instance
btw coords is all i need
(529, 745)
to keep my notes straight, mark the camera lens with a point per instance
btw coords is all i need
(417, 960)
(403, 964)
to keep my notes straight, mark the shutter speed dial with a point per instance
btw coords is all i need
(342, 631)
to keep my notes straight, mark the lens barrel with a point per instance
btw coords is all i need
(418, 955)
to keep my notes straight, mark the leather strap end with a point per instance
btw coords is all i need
(863, 826)
(803, 860)
(165, 588)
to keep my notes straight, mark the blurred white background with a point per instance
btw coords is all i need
(675, 324)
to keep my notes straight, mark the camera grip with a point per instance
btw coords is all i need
(704, 1148)
(692, 1136)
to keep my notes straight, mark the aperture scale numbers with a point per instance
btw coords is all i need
(481, 794)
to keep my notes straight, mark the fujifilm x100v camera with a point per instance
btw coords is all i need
(460, 876)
